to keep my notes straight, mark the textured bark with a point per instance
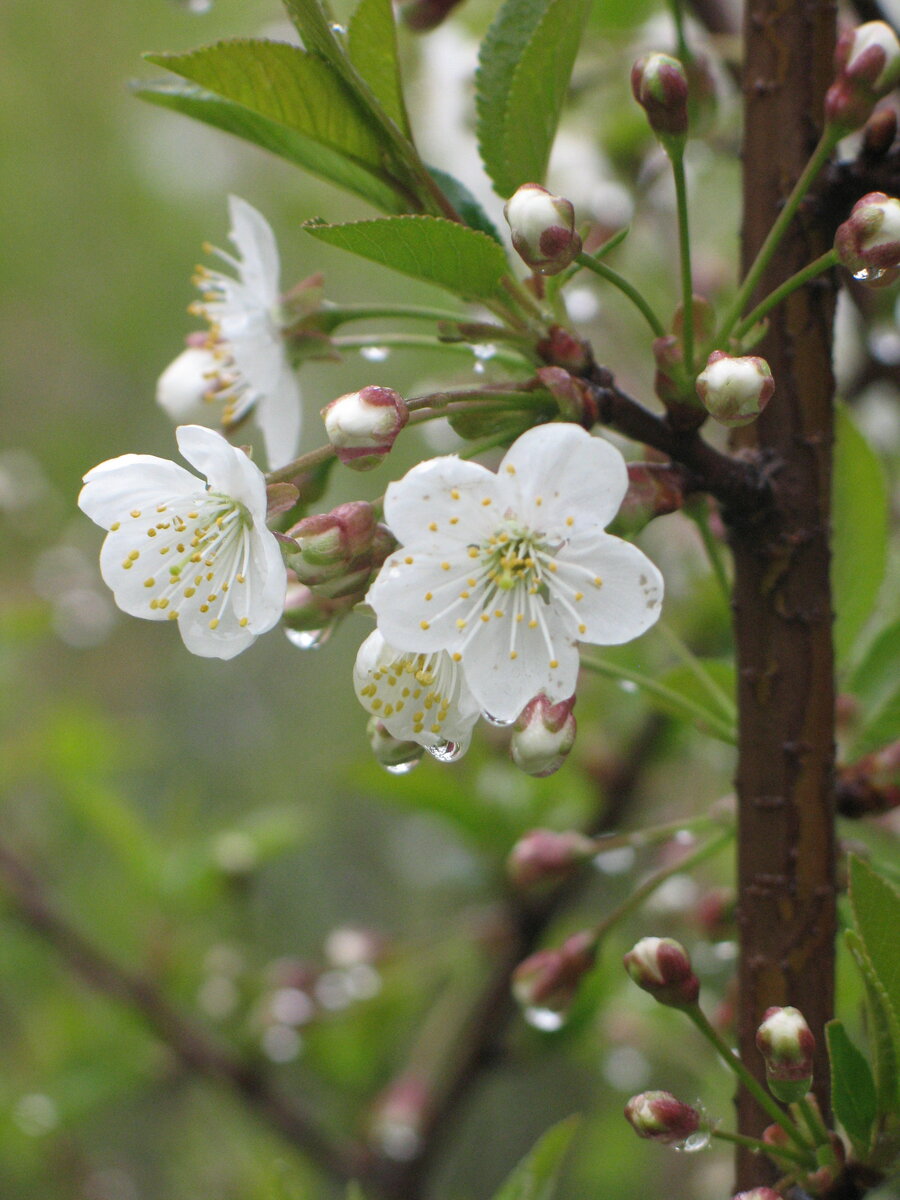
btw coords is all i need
(782, 604)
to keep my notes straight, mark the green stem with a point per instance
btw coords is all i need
(420, 341)
(738, 1139)
(338, 314)
(731, 1060)
(680, 40)
(814, 1124)
(716, 725)
(684, 245)
(652, 836)
(617, 280)
(699, 514)
(697, 669)
(649, 886)
(823, 263)
(827, 142)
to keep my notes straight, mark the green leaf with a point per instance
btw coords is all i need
(315, 24)
(465, 203)
(465, 261)
(525, 64)
(876, 685)
(535, 1176)
(884, 1035)
(319, 160)
(372, 47)
(691, 698)
(859, 546)
(284, 84)
(876, 912)
(852, 1087)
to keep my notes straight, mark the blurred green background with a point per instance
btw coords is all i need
(219, 826)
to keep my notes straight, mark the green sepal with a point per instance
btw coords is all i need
(853, 1093)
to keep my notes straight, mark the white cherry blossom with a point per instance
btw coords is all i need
(507, 572)
(181, 550)
(417, 697)
(247, 365)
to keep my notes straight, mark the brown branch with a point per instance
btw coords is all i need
(192, 1046)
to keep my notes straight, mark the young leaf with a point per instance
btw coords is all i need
(535, 1176)
(284, 84)
(876, 912)
(524, 68)
(314, 23)
(372, 47)
(884, 1035)
(465, 203)
(852, 1087)
(452, 256)
(876, 684)
(859, 547)
(295, 147)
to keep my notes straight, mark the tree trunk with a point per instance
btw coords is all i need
(782, 602)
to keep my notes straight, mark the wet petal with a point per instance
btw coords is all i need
(613, 587)
(442, 500)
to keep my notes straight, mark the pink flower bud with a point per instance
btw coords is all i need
(550, 978)
(654, 489)
(362, 426)
(786, 1043)
(575, 399)
(735, 390)
(310, 618)
(867, 62)
(662, 967)
(543, 735)
(544, 856)
(543, 228)
(660, 86)
(868, 242)
(563, 349)
(660, 1117)
(336, 553)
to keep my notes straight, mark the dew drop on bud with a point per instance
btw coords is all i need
(869, 274)
(340, 30)
(547, 1020)
(698, 1140)
(403, 768)
(375, 353)
(307, 639)
(501, 722)
(445, 751)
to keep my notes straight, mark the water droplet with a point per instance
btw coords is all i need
(870, 274)
(545, 1019)
(485, 352)
(375, 353)
(399, 1141)
(502, 722)
(694, 1142)
(196, 6)
(446, 751)
(403, 768)
(627, 685)
(308, 639)
(340, 30)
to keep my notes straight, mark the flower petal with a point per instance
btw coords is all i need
(442, 500)
(503, 685)
(227, 468)
(278, 416)
(133, 482)
(612, 586)
(420, 600)
(554, 472)
(252, 234)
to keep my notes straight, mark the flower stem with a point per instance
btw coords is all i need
(716, 724)
(827, 142)
(654, 834)
(684, 245)
(814, 1123)
(738, 1139)
(699, 514)
(420, 341)
(619, 281)
(823, 263)
(697, 669)
(731, 1060)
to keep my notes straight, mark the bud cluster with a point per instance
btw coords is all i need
(337, 553)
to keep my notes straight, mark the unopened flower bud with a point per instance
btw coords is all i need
(879, 133)
(654, 489)
(760, 1193)
(543, 735)
(867, 61)
(337, 552)
(187, 385)
(662, 967)
(310, 619)
(544, 856)
(543, 228)
(661, 1117)
(550, 978)
(391, 752)
(786, 1043)
(398, 1117)
(660, 86)
(868, 242)
(575, 399)
(362, 426)
(735, 390)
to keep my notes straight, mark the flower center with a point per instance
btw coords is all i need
(424, 684)
(516, 557)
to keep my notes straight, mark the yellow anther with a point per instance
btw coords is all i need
(135, 512)
(498, 613)
(429, 596)
(188, 592)
(454, 520)
(376, 704)
(570, 521)
(513, 654)
(424, 625)
(204, 608)
(582, 628)
(473, 552)
(510, 469)
(164, 603)
(150, 583)
(598, 582)
(553, 664)
(454, 493)
(485, 617)
(134, 555)
(579, 596)
(460, 623)
(389, 710)
(244, 622)
(408, 560)
(471, 582)
(214, 623)
(539, 500)
(532, 624)
(173, 615)
(433, 526)
(464, 595)
(456, 656)
(115, 525)
(486, 501)
(435, 728)
(151, 533)
(445, 566)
